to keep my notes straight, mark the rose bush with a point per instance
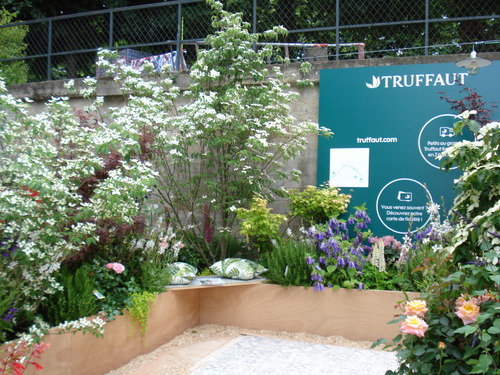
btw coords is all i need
(463, 307)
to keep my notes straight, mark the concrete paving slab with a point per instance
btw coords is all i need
(255, 355)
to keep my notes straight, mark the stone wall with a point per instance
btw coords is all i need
(305, 109)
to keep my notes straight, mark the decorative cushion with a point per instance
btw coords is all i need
(182, 273)
(236, 268)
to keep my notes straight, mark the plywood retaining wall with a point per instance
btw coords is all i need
(355, 314)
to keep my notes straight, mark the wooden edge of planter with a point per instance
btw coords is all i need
(355, 314)
(360, 315)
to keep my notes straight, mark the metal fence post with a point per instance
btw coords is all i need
(254, 17)
(49, 51)
(426, 32)
(179, 33)
(110, 36)
(337, 29)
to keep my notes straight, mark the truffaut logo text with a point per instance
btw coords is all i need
(417, 80)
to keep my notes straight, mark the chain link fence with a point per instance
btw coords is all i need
(66, 46)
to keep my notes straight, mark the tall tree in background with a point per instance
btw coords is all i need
(12, 45)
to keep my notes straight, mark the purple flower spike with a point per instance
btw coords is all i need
(318, 287)
(320, 236)
(334, 224)
(361, 225)
(360, 215)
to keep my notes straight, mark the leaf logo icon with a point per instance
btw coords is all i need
(375, 83)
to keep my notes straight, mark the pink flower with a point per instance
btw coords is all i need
(413, 325)
(416, 307)
(468, 311)
(117, 267)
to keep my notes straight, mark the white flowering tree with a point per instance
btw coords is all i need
(63, 173)
(230, 142)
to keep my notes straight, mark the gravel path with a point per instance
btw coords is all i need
(178, 356)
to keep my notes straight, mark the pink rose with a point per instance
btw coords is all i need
(413, 325)
(468, 311)
(416, 307)
(117, 267)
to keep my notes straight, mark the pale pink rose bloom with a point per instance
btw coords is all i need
(413, 325)
(468, 312)
(416, 307)
(460, 301)
(117, 267)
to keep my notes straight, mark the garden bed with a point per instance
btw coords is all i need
(354, 314)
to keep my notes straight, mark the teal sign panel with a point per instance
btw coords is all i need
(390, 125)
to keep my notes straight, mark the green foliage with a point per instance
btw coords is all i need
(75, 301)
(461, 329)
(450, 344)
(476, 209)
(115, 288)
(372, 278)
(230, 142)
(12, 45)
(318, 205)
(286, 263)
(258, 224)
(139, 307)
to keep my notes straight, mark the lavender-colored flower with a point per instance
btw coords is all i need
(318, 287)
(322, 260)
(8, 247)
(320, 236)
(335, 246)
(361, 225)
(360, 286)
(343, 226)
(366, 249)
(341, 262)
(329, 233)
(357, 240)
(354, 250)
(345, 236)
(351, 264)
(316, 277)
(351, 221)
(360, 214)
(309, 260)
(10, 314)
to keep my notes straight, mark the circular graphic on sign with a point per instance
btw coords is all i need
(402, 204)
(436, 136)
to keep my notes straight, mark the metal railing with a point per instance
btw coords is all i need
(66, 46)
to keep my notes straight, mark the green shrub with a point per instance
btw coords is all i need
(286, 264)
(12, 45)
(258, 224)
(317, 206)
(75, 301)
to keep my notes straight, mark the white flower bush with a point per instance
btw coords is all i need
(231, 140)
(51, 201)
